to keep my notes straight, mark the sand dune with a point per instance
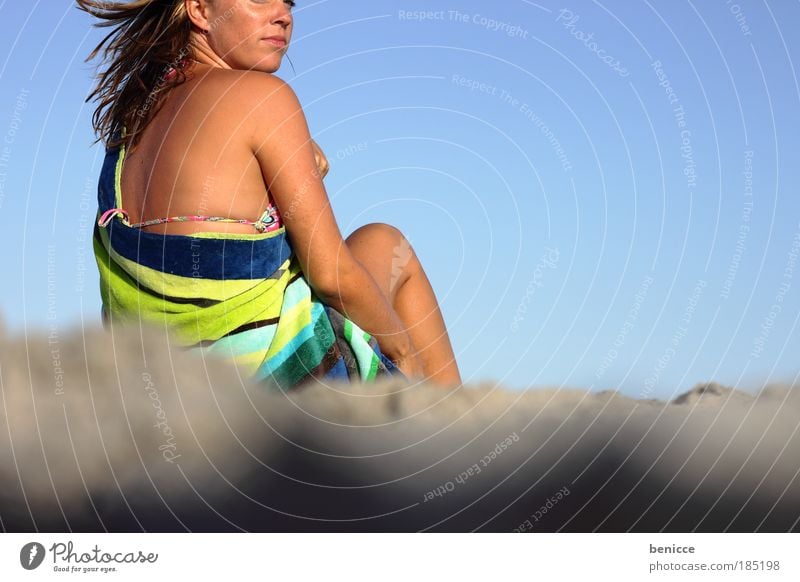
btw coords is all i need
(119, 432)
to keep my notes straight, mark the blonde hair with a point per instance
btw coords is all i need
(149, 38)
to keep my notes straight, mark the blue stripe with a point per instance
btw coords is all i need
(204, 258)
(244, 342)
(290, 348)
(338, 371)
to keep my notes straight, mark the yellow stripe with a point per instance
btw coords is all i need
(299, 316)
(237, 235)
(118, 179)
(179, 286)
(250, 362)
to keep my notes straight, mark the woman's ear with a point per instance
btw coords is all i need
(197, 12)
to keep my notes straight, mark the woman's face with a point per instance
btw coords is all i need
(239, 31)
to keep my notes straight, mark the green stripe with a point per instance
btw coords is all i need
(373, 369)
(348, 330)
(308, 355)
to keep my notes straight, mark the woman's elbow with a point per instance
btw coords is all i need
(338, 280)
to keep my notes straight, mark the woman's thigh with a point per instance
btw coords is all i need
(385, 253)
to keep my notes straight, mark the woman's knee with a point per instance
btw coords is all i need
(377, 232)
(378, 242)
(380, 239)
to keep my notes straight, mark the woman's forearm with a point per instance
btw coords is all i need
(359, 298)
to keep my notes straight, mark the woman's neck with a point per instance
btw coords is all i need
(203, 53)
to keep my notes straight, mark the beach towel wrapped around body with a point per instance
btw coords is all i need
(240, 296)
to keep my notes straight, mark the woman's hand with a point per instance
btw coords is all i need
(411, 367)
(404, 356)
(322, 161)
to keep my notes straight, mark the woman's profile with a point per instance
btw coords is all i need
(213, 218)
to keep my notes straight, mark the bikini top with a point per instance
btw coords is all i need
(268, 221)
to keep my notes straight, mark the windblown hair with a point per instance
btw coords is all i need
(149, 38)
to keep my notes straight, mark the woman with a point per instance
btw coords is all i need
(201, 137)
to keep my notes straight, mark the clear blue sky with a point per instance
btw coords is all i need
(605, 195)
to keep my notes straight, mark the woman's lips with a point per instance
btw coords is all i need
(277, 41)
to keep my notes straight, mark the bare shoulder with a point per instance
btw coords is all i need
(245, 88)
(260, 101)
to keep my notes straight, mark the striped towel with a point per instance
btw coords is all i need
(241, 296)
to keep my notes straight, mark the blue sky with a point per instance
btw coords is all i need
(604, 195)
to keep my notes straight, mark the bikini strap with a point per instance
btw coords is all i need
(109, 214)
(268, 221)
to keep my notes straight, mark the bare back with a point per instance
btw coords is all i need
(195, 157)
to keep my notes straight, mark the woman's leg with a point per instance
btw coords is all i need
(389, 258)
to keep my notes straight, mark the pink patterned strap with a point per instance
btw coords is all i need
(269, 221)
(109, 214)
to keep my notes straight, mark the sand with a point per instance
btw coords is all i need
(119, 432)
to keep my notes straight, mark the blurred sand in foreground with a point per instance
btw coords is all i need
(117, 431)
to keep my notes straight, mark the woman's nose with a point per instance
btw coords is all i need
(283, 15)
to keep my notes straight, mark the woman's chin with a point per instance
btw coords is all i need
(268, 65)
(265, 69)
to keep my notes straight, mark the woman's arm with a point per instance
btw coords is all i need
(283, 147)
(322, 161)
